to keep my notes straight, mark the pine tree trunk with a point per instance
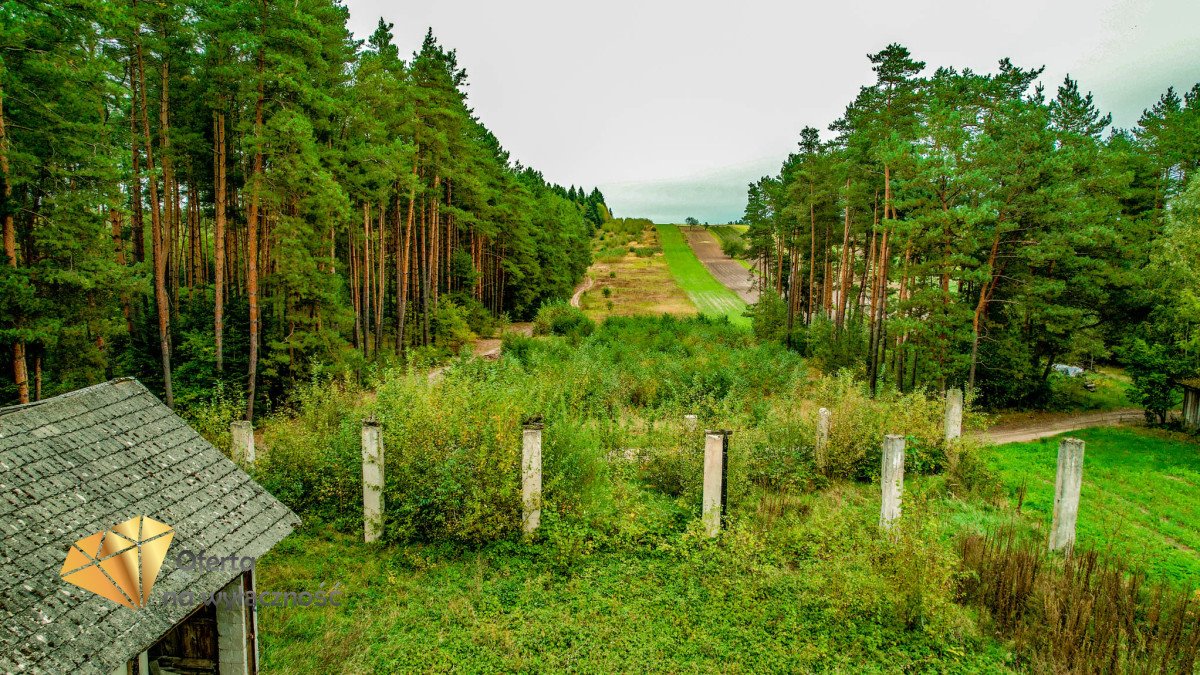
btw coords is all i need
(368, 301)
(114, 217)
(219, 237)
(252, 227)
(20, 369)
(380, 280)
(402, 266)
(161, 300)
(985, 290)
(355, 296)
(170, 189)
(845, 272)
(812, 257)
(20, 372)
(138, 232)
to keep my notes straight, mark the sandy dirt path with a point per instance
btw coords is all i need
(1041, 425)
(725, 269)
(487, 348)
(584, 287)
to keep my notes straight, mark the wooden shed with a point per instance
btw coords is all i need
(103, 491)
(1191, 402)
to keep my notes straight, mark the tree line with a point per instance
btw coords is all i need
(965, 228)
(241, 192)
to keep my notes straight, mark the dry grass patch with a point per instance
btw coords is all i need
(641, 285)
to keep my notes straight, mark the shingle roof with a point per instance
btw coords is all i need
(80, 463)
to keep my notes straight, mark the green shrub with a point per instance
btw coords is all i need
(311, 456)
(211, 418)
(561, 318)
(450, 326)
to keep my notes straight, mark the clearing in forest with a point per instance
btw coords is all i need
(732, 273)
(710, 296)
(630, 277)
(731, 237)
(1141, 495)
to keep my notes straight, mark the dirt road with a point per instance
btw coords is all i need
(588, 282)
(725, 269)
(487, 348)
(1039, 425)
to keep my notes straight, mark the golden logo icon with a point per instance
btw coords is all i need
(120, 563)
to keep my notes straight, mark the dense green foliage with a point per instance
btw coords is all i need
(969, 230)
(802, 578)
(453, 442)
(199, 192)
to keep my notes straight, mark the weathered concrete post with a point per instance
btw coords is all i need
(824, 422)
(954, 413)
(1067, 485)
(716, 448)
(242, 433)
(690, 422)
(372, 480)
(234, 623)
(892, 479)
(531, 478)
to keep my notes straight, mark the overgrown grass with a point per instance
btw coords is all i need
(818, 589)
(619, 576)
(1084, 613)
(710, 296)
(1109, 391)
(1140, 499)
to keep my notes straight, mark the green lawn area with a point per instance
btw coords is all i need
(710, 296)
(1141, 495)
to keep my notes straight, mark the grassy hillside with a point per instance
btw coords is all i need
(630, 276)
(1140, 499)
(710, 296)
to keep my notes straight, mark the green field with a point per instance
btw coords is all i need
(710, 296)
(725, 233)
(678, 606)
(1141, 495)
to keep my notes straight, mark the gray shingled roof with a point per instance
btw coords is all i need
(80, 463)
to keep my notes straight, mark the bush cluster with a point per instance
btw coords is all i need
(613, 400)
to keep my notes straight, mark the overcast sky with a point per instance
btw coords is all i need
(671, 108)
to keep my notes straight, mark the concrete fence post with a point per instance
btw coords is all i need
(892, 480)
(690, 422)
(824, 422)
(372, 480)
(242, 433)
(1067, 485)
(531, 478)
(954, 413)
(716, 451)
(235, 639)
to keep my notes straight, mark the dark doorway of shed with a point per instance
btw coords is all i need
(190, 648)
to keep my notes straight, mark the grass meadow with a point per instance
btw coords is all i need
(710, 296)
(632, 283)
(1140, 500)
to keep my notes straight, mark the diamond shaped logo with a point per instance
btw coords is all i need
(120, 563)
